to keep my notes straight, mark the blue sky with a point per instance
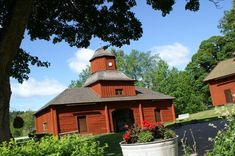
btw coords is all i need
(175, 38)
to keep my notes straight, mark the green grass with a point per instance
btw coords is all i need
(113, 141)
(211, 114)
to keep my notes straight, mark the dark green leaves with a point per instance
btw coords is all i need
(163, 5)
(77, 22)
(20, 65)
(192, 5)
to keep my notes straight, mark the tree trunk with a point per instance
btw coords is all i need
(10, 40)
(5, 94)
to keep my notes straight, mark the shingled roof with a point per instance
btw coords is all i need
(101, 52)
(111, 75)
(223, 69)
(85, 95)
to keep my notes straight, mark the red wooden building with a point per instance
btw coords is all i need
(222, 82)
(107, 102)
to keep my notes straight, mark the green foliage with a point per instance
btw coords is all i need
(210, 53)
(69, 145)
(145, 136)
(224, 143)
(227, 23)
(179, 85)
(135, 64)
(169, 134)
(20, 65)
(28, 118)
(81, 78)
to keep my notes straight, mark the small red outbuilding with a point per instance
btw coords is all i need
(107, 103)
(222, 82)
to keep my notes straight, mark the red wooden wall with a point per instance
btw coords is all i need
(98, 121)
(100, 64)
(217, 88)
(95, 118)
(107, 88)
(48, 116)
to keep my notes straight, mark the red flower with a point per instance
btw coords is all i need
(126, 136)
(146, 124)
(159, 123)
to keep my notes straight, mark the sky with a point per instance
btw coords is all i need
(175, 38)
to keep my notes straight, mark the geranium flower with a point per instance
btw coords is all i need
(146, 124)
(126, 136)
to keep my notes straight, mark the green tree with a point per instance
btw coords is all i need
(209, 54)
(226, 24)
(73, 21)
(81, 78)
(137, 65)
(28, 118)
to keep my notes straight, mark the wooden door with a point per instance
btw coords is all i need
(157, 115)
(82, 125)
(228, 96)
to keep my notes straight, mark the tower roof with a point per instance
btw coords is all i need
(222, 69)
(110, 75)
(101, 52)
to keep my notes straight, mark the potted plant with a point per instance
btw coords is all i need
(152, 139)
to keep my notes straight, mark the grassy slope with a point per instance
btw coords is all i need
(210, 114)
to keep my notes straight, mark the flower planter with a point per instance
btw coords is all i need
(168, 147)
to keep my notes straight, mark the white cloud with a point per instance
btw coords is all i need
(175, 54)
(80, 60)
(34, 87)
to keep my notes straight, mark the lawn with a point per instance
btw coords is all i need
(113, 141)
(207, 115)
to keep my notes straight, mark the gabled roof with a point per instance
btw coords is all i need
(84, 96)
(111, 75)
(101, 52)
(223, 69)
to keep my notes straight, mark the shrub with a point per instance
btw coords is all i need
(224, 142)
(69, 145)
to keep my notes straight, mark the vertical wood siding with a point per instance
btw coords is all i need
(217, 88)
(96, 119)
(107, 89)
(100, 64)
(44, 117)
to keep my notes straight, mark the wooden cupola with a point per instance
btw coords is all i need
(105, 80)
(102, 60)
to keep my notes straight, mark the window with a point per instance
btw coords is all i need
(157, 115)
(45, 126)
(118, 91)
(82, 125)
(228, 96)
